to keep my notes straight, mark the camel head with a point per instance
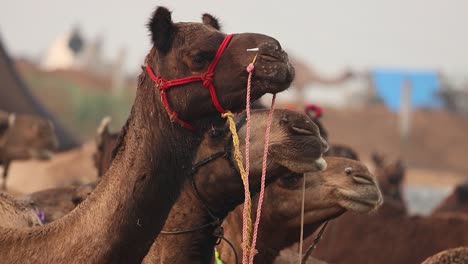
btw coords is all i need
(457, 202)
(186, 49)
(391, 176)
(344, 185)
(25, 136)
(295, 146)
(105, 143)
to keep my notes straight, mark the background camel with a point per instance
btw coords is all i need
(344, 185)
(455, 202)
(391, 177)
(296, 146)
(16, 214)
(153, 153)
(389, 237)
(24, 137)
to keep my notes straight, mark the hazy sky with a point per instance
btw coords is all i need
(329, 34)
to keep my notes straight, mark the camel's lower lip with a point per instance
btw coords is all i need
(369, 202)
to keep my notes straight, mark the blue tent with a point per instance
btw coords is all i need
(425, 86)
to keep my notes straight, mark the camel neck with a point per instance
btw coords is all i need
(192, 247)
(121, 218)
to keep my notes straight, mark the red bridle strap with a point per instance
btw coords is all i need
(206, 78)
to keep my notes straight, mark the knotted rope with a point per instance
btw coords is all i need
(247, 222)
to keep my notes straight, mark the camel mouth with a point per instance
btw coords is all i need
(273, 77)
(362, 203)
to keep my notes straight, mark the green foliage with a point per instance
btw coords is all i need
(80, 107)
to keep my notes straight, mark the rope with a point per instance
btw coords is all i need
(247, 220)
(301, 238)
(262, 184)
(246, 223)
(317, 239)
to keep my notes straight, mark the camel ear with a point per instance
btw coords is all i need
(211, 21)
(162, 29)
(378, 159)
(4, 124)
(462, 192)
(102, 130)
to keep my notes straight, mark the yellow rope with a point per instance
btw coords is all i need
(238, 157)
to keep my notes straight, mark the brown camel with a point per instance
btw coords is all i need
(295, 145)
(450, 256)
(344, 185)
(455, 202)
(391, 176)
(24, 137)
(386, 237)
(16, 214)
(119, 221)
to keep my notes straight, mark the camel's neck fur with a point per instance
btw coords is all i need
(120, 220)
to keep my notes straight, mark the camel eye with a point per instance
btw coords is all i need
(202, 57)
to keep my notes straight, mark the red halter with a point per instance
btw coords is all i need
(317, 110)
(206, 78)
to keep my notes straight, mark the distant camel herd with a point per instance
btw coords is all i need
(161, 193)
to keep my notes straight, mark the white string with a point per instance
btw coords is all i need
(302, 219)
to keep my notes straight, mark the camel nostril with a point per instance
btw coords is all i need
(272, 51)
(302, 131)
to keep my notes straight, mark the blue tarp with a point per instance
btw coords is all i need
(425, 86)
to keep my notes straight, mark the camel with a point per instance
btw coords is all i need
(456, 202)
(119, 221)
(450, 256)
(391, 178)
(24, 137)
(216, 189)
(386, 237)
(15, 214)
(346, 185)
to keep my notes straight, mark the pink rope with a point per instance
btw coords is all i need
(245, 225)
(262, 184)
